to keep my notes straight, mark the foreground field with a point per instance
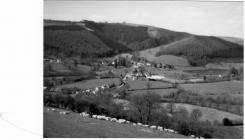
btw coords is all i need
(234, 88)
(209, 114)
(75, 126)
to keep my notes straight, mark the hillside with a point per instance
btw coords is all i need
(233, 39)
(92, 39)
(59, 126)
(88, 38)
(203, 46)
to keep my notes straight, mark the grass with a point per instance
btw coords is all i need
(209, 113)
(91, 83)
(142, 84)
(209, 71)
(75, 126)
(150, 55)
(234, 88)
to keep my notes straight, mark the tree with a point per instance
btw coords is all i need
(196, 114)
(171, 107)
(233, 72)
(144, 105)
(227, 122)
(151, 99)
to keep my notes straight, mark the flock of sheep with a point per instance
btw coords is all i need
(92, 91)
(122, 121)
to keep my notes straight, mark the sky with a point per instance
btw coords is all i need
(202, 18)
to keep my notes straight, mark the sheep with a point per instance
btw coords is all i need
(134, 124)
(153, 127)
(94, 116)
(192, 136)
(140, 124)
(63, 113)
(127, 121)
(159, 128)
(170, 130)
(114, 120)
(53, 109)
(121, 121)
(84, 114)
(145, 125)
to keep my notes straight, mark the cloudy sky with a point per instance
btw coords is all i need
(206, 18)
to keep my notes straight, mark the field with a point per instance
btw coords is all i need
(234, 88)
(224, 65)
(210, 71)
(149, 54)
(75, 126)
(209, 113)
(140, 84)
(91, 83)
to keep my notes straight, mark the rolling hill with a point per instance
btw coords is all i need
(200, 46)
(91, 39)
(233, 39)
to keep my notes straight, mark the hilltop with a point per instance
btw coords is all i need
(101, 39)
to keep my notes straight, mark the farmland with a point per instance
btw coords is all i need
(91, 83)
(141, 74)
(234, 88)
(209, 113)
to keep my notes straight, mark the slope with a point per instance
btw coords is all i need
(203, 46)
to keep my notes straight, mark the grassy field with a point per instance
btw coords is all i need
(209, 71)
(224, 65)
(149, 54)
(234, 88)
(208, 113)
(75, 126)
(142, 84)
(91, 83)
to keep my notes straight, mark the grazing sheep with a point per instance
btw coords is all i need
(134, 124)
(192, 136)
(153, 127)
(145, 125)
(121, 121)
(114, 120)
(63, 113)
(160, 128)
(171, 130)
(127, 121)
(84, 114)
(140, 124)
(53, 109)
(94, 116)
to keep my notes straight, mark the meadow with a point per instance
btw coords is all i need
(91, 83)
(75, 126)
(209, 114)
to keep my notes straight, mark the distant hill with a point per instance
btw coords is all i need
(93, 39)
(203, 46)
(88, 38)
(233, 39)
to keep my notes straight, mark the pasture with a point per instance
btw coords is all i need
(142, 84)
(150, 55)
(75, 126)
(92, 83)
(209, 114)
(234, 88)
(208, 71)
